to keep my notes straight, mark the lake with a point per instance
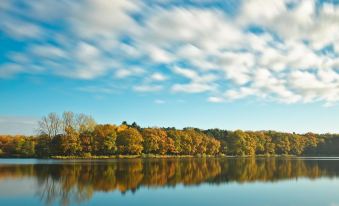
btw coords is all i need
(171, 181)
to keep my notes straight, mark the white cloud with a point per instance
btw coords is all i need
(208, 29)
(20, 29)
(48, 51)
(19, 58)
(96, 89)
(122, 73)
(190, 74)
(198, 82)
(8, 70)
(103, 19)
(158, 55)
(215, 99)
(284, 61)
(193, 87)
(147, 88)
(261, 11)
(240, 93)
(18, 125)
(11, 69)
(158, 77)
(237, 66)
(193, 75)
(89, 62)
(126, 72)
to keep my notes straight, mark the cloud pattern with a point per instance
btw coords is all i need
(284, 50)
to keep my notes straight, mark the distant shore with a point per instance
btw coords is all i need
(158, 156)
(153, 156)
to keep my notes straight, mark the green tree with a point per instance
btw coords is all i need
(42, 147)
(28, 147)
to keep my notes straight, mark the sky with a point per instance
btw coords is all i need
(236, 64)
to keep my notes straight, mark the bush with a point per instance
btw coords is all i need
(87, 155)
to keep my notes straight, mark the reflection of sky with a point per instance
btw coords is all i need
(18, 161)
(320, 192)
(18, 192)
(17, 187)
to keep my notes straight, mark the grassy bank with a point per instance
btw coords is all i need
(129, 156)
(88, 156)
(158, 156)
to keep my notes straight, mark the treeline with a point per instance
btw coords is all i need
(78, 135)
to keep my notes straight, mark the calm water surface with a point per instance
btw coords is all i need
(189, 181)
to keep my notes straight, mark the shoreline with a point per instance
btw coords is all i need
(103, 157)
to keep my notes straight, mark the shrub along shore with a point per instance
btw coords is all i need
(70, 136)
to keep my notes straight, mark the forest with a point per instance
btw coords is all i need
(78, 135)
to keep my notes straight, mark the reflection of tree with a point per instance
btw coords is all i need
(77, 181)
(61, 182)
(129, 175)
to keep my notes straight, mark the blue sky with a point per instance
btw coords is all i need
(251, 64)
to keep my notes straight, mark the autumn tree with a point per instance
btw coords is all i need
(213, 146)
(78, 134)
(195, 141)
(297, 144)
(4, 140)
(241, 143)
(129, 141)
(70, 142)
(87, 142)
(281, 141)
(105, 139)
(155, 140)
(19, 146)
(175, 137)
(186, 143)
(171, 146)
